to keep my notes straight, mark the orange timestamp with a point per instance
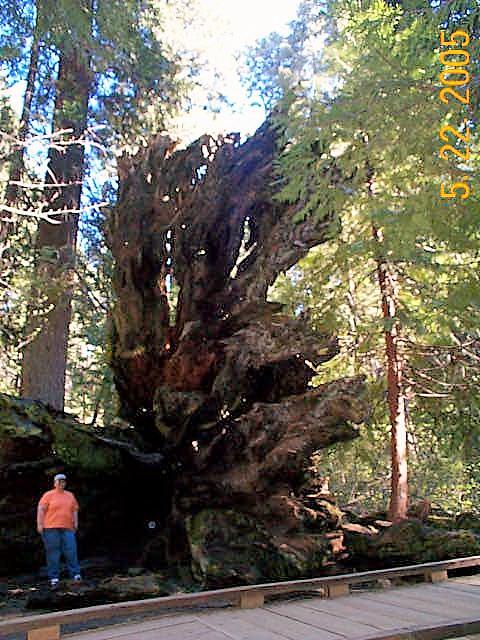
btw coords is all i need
(455, 78)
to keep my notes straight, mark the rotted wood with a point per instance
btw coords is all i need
(202, 224)
(214, 375)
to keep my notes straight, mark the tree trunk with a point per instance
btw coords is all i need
(212, 374)
(17, 161)
(44, 360)
(395, 386)
(17, 164)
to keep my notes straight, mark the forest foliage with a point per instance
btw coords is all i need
(375, 132)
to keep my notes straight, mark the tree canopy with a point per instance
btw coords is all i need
(369, 123)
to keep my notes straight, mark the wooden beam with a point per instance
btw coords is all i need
(47, 633)
(437, 575)
(336, 590)
(252, 600)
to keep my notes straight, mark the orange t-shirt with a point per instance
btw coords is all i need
(60, 506)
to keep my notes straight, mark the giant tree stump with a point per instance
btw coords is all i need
(209, 371)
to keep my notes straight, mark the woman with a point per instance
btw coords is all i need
(57, 523)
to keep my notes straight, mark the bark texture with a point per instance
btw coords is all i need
(45, 356)
(395, 387)
(209, 371)
(409, 541)
(18, 157)
(17, 163)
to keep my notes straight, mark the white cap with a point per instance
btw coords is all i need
(60, 476)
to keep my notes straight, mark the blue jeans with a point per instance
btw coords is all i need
(58, 541)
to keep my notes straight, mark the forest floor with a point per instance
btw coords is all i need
(24, 594)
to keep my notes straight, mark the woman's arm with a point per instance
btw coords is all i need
(40, 517)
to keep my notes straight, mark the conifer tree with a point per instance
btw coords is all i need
(111, 67)
(56, 240)
(371, 135)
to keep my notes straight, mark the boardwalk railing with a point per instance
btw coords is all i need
(47, 626)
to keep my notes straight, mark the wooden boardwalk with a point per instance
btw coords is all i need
(424, 611)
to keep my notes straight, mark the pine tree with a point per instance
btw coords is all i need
(56, 241)
(17, 161)
(108, 53)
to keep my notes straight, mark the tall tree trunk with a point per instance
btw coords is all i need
(395, 385)
(45, 356)
(18, 157)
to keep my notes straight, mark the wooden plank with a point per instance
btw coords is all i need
(200, 632)
(291, 628)
(435, 593)
(232, 625)
(471, 581)
(460, 588)
(453, 629)
(306, 632)
(190, 631)
(364, 576)
(324, 621)
(345, 610)
(455, 606)
(396, 612)
(409, 603)
(414, 604)
(238, 627)
(337, 590)
(120, 630)
(251, 600)
(434, 597)
(47, 633)
(435, 575)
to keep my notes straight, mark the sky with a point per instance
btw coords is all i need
(234, 27)
(243, 23)
(237, 26)
(255, 19)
